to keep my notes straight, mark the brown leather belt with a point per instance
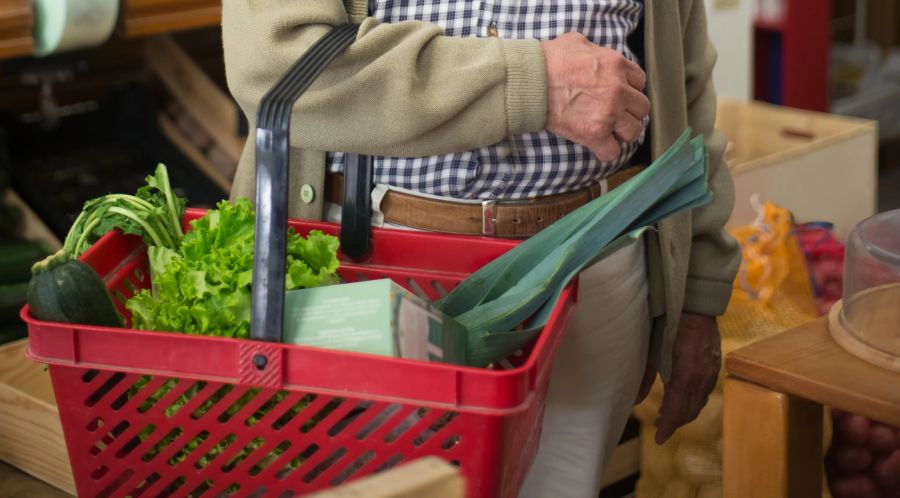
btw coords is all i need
(501, 218)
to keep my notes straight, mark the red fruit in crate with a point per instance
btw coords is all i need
(855, 486)
(882, 439)
(832, 290)
(886, 472)
(853, 430)
(848, 460)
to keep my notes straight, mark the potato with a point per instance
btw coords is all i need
(886, 472)
(698, 463)
(852, 430)
(679, 489)
(882, 439)
(712, 490)
(848, 460)
(855, 486)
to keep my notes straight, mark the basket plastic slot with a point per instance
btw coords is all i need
(116, 484)
(433, 421)
(390, 462)
(166, 443)
(354, 413)
(353, 468)
(204, 451)
(386, 420)
(116, 434)
(234, 457)
(131, 443)
(250, 450)
(252, 461)
(203, 487)
(173, 487)
(145, 485)
(273, 400)
(181, 456)
(271, 458)
(315, 424)
(260, 492)
(313, 405)
(285, 471)
(340, 410)
(109, 382)
(246, 405)
(322, 468)
(295, 404)
(214, 395)
(433, 430)
(380, 414)
(161, 396)
(187, 400)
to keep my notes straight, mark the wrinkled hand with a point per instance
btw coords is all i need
(696, 359)
(594, 95)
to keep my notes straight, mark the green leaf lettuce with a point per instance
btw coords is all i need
(203, 287)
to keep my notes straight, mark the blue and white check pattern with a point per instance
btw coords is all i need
(529, 165)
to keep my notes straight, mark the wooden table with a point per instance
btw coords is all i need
(772, 434)
(15, 484)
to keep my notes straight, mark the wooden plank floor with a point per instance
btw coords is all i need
(16, 484)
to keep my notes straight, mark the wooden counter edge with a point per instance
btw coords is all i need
(781, 380)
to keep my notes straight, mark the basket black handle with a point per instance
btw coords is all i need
(272, 158)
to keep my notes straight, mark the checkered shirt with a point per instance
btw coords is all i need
(524, 166)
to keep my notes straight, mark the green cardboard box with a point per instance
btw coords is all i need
(375, 317)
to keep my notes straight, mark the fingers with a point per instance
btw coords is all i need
(671, 413)
(606, 148)
(636, 103)
(635, 76)
(628, 128)
(680, 406)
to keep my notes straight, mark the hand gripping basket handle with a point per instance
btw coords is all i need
(272, 158)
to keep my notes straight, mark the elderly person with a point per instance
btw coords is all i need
(550, 101)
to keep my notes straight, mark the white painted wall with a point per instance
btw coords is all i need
(731, 30)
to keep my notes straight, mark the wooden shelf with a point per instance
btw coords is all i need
(149, 17)
(15, 28)
(138, 18)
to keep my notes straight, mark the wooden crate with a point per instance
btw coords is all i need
(821, 167)
(31, 436)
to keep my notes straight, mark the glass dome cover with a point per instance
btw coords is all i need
(867, 321)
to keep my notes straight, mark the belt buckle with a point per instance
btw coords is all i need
(489, 218)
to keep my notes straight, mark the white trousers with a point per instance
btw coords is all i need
(596, 374)
(595, 379)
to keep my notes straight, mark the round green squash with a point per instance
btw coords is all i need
(70, 291)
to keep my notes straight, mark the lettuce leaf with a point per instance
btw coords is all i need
(203, 286)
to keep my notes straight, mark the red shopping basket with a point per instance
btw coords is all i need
(315, 419)
(162, 414)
